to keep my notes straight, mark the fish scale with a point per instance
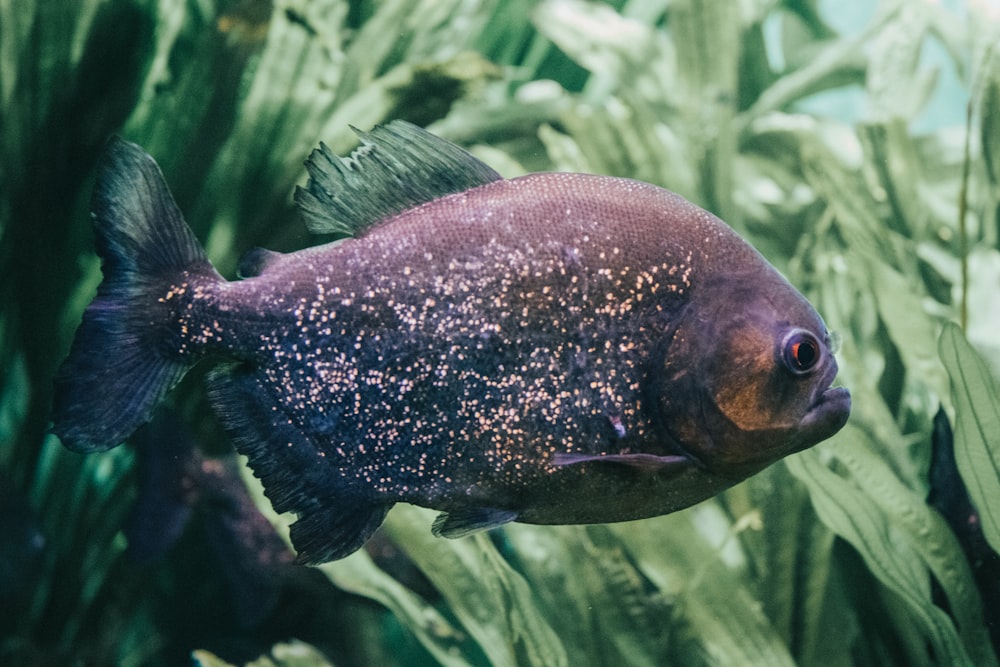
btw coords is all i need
(452, 318)
(555, 348)
(475, 358)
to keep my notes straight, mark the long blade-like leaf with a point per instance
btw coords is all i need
(977, 427)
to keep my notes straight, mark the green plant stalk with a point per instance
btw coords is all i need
(963, 235)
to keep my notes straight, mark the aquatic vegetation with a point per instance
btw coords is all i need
(839, 153)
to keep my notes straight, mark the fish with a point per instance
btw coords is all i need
(177, 488)
(23, 544)
(949, 495)
(555, 348)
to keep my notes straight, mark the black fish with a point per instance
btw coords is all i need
(22, 560)
(949, 496)
(555, 348)
(174, 482)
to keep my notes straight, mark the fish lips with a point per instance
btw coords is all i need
(828, 412)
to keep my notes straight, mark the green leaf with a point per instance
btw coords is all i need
(977, 427)
(359, 575)
(896, 89)
(837, 62)
(902, 541)
(601, 40)
(591, 590)
(984, 318)
(717, 615)
(494, 603)
(289, 654)
(895, 160)
(990, 124)
(790, 553)
(909, 326)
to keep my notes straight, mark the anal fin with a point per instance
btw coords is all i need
(462, 522)
(335, 516)
(330, 533)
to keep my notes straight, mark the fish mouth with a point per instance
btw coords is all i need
(838, 398)
(829, 410)
(831, 393)
(828, 413)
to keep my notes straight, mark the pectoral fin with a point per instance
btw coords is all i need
(648, 462)
(462, 522)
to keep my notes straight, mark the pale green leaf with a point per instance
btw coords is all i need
(990, 124)
(494, 604)
(977, 428)
(791, 553)
(902, 541)
(717, 615)
(592, 591)
(984, 317)
(289, 654)
(895, 87)
(359, 575)
(910, 326)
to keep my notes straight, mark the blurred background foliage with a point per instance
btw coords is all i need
(856, 144)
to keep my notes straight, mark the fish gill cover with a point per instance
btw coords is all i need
(836, 147)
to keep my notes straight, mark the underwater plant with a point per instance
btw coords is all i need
(859, 150)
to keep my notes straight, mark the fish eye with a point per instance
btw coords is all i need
(801, 351)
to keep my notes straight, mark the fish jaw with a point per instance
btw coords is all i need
(827, 415)
(828, 412)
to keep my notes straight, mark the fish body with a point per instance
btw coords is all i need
(554, 348)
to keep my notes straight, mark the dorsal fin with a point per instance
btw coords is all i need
(398, 166)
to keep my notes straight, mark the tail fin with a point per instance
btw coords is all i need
(119, 366)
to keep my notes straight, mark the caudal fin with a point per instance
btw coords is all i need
(120, 364)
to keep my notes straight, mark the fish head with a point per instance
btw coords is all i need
(749, 376)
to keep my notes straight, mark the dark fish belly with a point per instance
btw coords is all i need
(602, 493)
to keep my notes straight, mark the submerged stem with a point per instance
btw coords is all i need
(963, 242)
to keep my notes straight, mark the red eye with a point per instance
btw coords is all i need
(801, 351)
